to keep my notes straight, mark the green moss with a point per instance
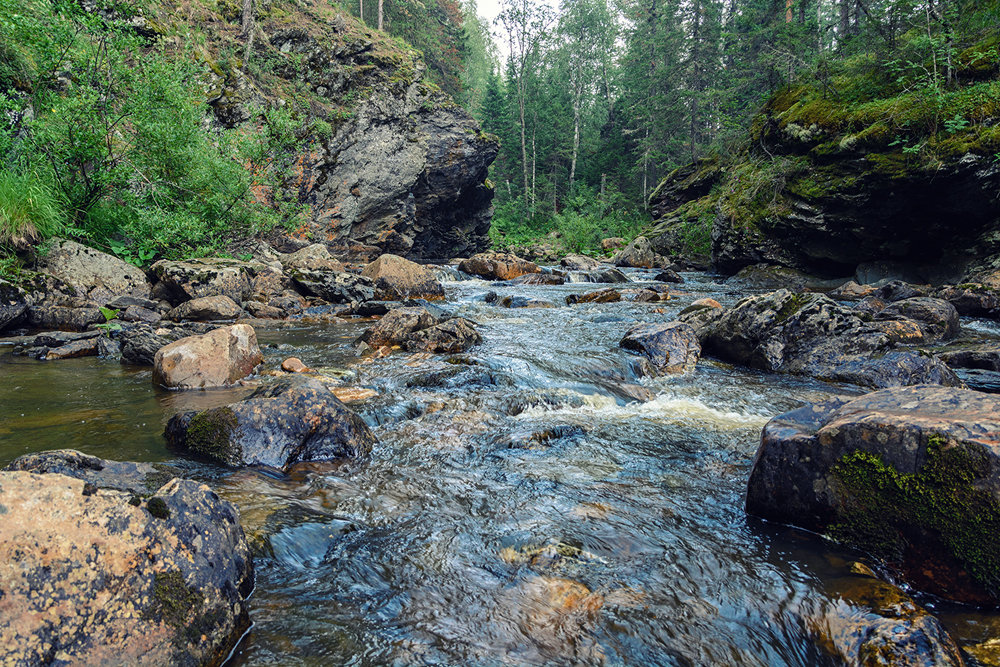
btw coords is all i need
(209, 434)
(788, 309)
(158, 508)
(172, 600)
(884, 510)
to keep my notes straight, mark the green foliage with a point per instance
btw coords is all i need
(111, 322)
(29, 210)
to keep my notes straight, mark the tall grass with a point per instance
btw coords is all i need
(29, 210)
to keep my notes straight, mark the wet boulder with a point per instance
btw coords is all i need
(397, 278)
(140, 343)
(873, 622)
(215, 359)
(938, 319)
(137, 478)
(910, 475)
(84, 347)
(972, 299)
(668, 276)
(639, 254)
(106, 576)
(850, 291)
(538, 279)
(191, 279)
(93, 271)
(524, 302)
(900, 330)
(579, 263)
(600, 275)
(295, 419)
(449, 337)
(810, 334)
(606, 295)
(139, 314)
(334, 287)
(897, 290)
(71, 314)
(770, 276)
(396, 325)
(497, 266)
(315, 257)
(13, 304)
(206, 309)
(672, 347)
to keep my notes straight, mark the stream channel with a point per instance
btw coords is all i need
(533, 501)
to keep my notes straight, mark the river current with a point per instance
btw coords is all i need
(535, 501)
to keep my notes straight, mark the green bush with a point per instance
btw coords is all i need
(29, 210)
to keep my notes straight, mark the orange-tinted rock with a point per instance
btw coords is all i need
(216, 359)
(397, 278)
(295, 365)
(606, 295)
(497, 266)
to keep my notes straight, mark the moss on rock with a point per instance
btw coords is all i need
(209, 435)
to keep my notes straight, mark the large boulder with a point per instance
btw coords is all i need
(293, 420)
(973, 299)
(579, 263)
(908, 474)
(335, 287)
(315, 257)
(93, 271)
(92, 575)
(13, 304)
(639, 254)
(397, 278)
(140, 343)
(810, 334)
(599, 275)
(215, 359)
(396, 325)
(451, 336)
(497, 266)
(206, 309)
(672, 347)
(48, 315)
(938, 319)
(194, 278)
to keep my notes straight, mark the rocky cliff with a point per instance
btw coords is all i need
(883, 187)
(392, 162)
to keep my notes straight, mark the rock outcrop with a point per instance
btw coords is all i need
(97, 575)
(909, 474)
(93, 272)
(215, 359)
(293, 420)
(639, 254)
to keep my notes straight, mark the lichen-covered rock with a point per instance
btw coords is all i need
(497, 266)
(397, 278)
(87, 269)
(449, 337)
(672, 347)
(81, 317)
(810, 334)
(640, 254)
(908, 474)
(938, 319)
(206, 309)
(293, 420)
(96, 576)
(315, 257)
(13, 304)
(579, 263)
(139, 479)
(215, 359)
(194, 278)
(335, 287)
(396, 325)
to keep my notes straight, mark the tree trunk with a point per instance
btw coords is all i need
(361, 10)
(788, 11)
(380, 2)
(247, 27)
(576, 138)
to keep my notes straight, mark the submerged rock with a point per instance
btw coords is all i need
(215, 359)
(538, 279)
(909, 474)
(497, 266)
(599, 275)
(107, 577)
(668, 276)
(397, 278)
(293, 420)
(672, 347)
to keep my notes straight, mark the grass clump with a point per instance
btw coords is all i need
(29, 210)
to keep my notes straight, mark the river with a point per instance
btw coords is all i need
(533, 501)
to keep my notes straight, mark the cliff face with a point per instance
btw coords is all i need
(392, 161)
(831, 189)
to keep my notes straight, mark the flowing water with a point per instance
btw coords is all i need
(533, 501)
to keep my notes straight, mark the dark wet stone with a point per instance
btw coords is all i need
(897, 290)
(606, 295)
(396, 326)
(125, 301)
(451, 336)
(13, 304)
(140, 344)
(538, 279)
(972, 299)
(86, 347)
(206, 309)
(672, 347)
(937, 318)
(668, 276)
(64, 317)
(524, 302)
(137, 478)
(335, 287)
(293, 420)
(907, 474)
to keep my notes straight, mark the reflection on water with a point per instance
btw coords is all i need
(537, 500)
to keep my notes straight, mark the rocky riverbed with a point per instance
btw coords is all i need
(548, 465)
